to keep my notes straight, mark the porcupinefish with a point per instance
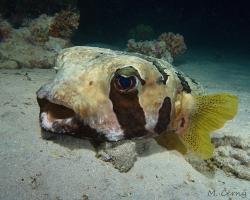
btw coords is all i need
(107, 95)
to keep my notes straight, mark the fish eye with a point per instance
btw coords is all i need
(125, 84)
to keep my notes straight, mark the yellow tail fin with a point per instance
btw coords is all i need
(210, 113)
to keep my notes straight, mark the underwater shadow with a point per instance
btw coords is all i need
(68, 141)
(122, 158)
(143, 147)
(147, 147)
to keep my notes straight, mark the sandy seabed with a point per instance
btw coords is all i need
(67, 169)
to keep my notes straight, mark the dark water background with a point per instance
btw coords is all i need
(213, 22)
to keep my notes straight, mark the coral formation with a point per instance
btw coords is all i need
(167, 47)
(18, 10)
(32, 45)
(39, 35)
(151, 48)
(64, 24)
(121, 154)
(141, 32)
(5, 29)
(9, 64)
(39, 29)
(231, 155)
(174, 43)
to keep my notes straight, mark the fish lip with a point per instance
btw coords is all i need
(52, 115)
(54, 111)
(43, 94)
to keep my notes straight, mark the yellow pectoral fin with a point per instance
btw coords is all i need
(210, 113)
(171, 141)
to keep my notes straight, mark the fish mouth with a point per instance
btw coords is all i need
(55, 118)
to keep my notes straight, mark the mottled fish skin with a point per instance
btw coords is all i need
(84, 84)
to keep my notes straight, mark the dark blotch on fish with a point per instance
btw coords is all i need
(129, 113)
(161, 70)
(184, 83)
(164, 116)
(194, 81)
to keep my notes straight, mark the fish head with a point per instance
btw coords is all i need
(100, 93)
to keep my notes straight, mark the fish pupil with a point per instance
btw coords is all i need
(126, 83)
